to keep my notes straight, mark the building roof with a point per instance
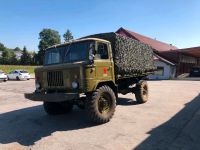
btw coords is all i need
(155, 44)
(173, 55)
(193, 51)
(157, 57)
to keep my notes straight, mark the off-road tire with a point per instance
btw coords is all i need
(141, 93)
(92, 104)
(56, 108)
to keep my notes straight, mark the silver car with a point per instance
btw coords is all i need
(3, 76)
(19, 75)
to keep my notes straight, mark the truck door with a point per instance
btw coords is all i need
(104, 62)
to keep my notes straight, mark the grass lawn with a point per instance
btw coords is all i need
(9, 68)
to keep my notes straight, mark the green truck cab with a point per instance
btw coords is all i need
(82, 73)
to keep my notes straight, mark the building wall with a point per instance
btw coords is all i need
(168, 72)
(185, 64)
(18, 55)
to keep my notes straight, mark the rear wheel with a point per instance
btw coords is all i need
(101, 104)
(55, 108)
(17, 78)
(142, 92)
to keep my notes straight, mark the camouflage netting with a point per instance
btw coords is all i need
(130, 56)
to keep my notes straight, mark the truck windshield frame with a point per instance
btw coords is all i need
(72, 52)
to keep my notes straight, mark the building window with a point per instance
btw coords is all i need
(159, 71)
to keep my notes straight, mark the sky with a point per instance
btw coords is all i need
(175, 22)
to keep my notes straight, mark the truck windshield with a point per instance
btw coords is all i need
(78, 51)
(52, 56)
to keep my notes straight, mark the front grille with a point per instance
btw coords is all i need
(55, 78)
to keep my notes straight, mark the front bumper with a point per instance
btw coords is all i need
(51, 97)
(4, 79)
(24, 77)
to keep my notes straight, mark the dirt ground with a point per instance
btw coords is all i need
(169, 120)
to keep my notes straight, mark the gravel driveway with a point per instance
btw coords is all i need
(169, 120)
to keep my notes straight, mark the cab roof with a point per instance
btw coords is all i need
(79, 40)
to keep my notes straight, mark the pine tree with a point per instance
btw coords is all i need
(68, 36)
(25, 58)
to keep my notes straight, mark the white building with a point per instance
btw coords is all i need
(18, 54)
(165, 69)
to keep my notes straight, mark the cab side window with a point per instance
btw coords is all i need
(102, 51)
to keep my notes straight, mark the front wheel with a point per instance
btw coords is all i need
(101, 104)
(55, 108)
(142, 92)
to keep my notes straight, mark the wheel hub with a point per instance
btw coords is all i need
(145, 91)
(103, 105)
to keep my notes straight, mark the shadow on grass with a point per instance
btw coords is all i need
(181, 132)
(28, 125)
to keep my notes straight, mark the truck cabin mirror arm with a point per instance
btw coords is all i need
(91, 56)
(92, 53)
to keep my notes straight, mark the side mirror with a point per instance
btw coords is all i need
(91, 58)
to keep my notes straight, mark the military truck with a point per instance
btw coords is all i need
(90, 72)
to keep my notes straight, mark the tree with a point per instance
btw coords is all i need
(68, 36)
(13, 60)
(2, 47)
(25, 58)
(48, 37)
(6, 56)
(34, 59)
(17, 49)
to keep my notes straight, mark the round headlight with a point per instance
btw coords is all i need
(74, 85)
(37, 85)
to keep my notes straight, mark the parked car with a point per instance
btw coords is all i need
(19, 75)
(195, 71)
(3, 76)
